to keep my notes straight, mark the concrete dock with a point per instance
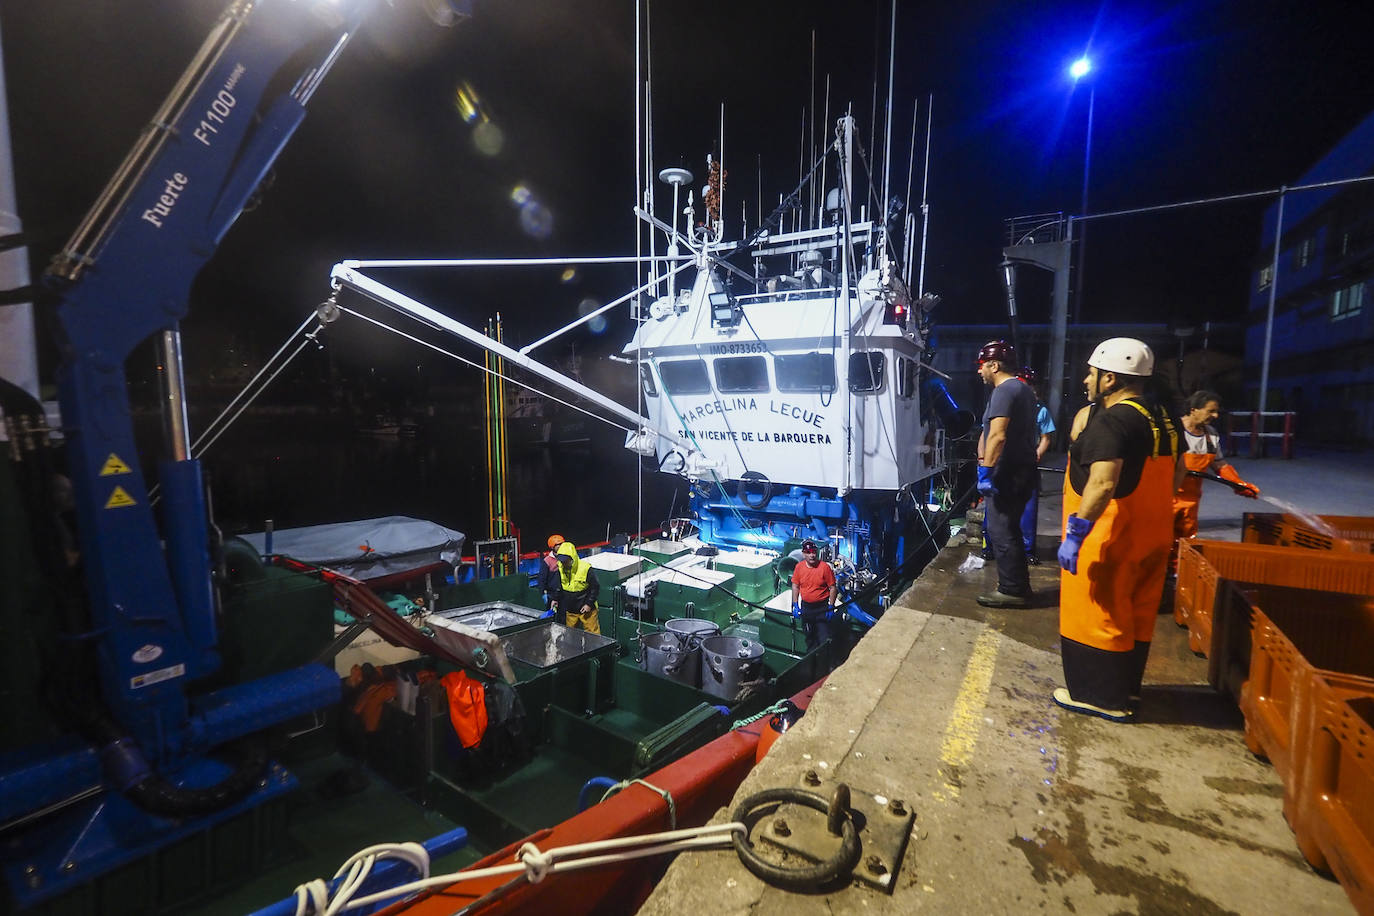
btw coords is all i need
(1021, 806)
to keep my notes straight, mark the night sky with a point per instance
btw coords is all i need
(1193, 99)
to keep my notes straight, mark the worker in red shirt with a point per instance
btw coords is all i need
(813, 595)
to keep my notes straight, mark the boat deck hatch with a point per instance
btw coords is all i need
(490, 615)
(550, 643)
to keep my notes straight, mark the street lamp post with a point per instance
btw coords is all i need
(1079, 69)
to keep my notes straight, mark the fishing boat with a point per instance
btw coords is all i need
(794, 398)
(788, 380)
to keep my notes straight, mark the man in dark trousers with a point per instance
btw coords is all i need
(1006, 470)
(813, 595)
(1118, 532)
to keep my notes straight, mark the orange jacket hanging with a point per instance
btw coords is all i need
(467, 707)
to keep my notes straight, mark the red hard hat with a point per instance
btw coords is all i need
(1027, 375)
(999, 350)
(809, 546)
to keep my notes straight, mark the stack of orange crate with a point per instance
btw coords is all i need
(1306, 707)
(1199, 604)
(1351, 532)
(1332, 807)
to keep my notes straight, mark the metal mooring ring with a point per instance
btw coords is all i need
(812, 876)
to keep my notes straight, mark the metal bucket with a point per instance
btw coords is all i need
(666, 655)
(693, 630)
(727, 663)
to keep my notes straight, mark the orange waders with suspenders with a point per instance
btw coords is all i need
(1112, 602)
(1189, 493)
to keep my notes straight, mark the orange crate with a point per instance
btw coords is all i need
(1204, 565)
(1337, 799)
(1296, 634)
(1352, 532)
(1313, 778)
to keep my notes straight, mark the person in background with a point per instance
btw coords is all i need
(578, 590)
(548, 573)
(1118, 532)
(1202, 457)
(1045, 428)
(1006, 471)
(814, 591)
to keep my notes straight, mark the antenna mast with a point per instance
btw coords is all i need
(908, 240)
(925, 205)
(887, 142)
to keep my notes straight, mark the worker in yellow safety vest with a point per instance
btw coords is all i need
(1118, 532)
(578, 589)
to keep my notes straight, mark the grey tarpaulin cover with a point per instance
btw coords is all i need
(367, 549)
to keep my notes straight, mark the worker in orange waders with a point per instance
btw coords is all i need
(1201, 456)
(1118, 532)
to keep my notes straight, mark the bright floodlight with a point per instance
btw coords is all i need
(1080, 68)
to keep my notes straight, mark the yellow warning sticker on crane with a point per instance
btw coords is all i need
(120, 499)
(114, 466)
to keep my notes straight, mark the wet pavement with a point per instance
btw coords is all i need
(945, 706)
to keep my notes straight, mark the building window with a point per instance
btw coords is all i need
(1347, 301)
(684, 376)
(814, 372)
(1266, 276)
(866, 371)
(1303, 256)
(742, 374)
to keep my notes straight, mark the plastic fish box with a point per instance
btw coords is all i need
(779, 629)
(1351, 532)
(613, 568)
(1199, 603)
(1335, 822)
(660, 551)
(639, 586)
(709, 591)
(1297, 634)
(753, 573)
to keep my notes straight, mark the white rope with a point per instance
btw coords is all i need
(534, 863)
(314, 896)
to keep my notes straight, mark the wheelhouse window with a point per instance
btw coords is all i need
(906, 378)
(684, 376)
(811, 372)
(741, 374)
(646, 375)
(866, 371)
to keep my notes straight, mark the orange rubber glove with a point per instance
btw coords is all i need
(1229, 473)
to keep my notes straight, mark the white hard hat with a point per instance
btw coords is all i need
(1124, 355)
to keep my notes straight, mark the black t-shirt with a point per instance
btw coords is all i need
(1015, 400)
(1121, 431)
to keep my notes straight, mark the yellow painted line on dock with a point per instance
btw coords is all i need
(961, 732)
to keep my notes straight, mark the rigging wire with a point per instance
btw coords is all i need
(512, 380)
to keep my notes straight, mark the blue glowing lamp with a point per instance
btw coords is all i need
(1080, 68)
